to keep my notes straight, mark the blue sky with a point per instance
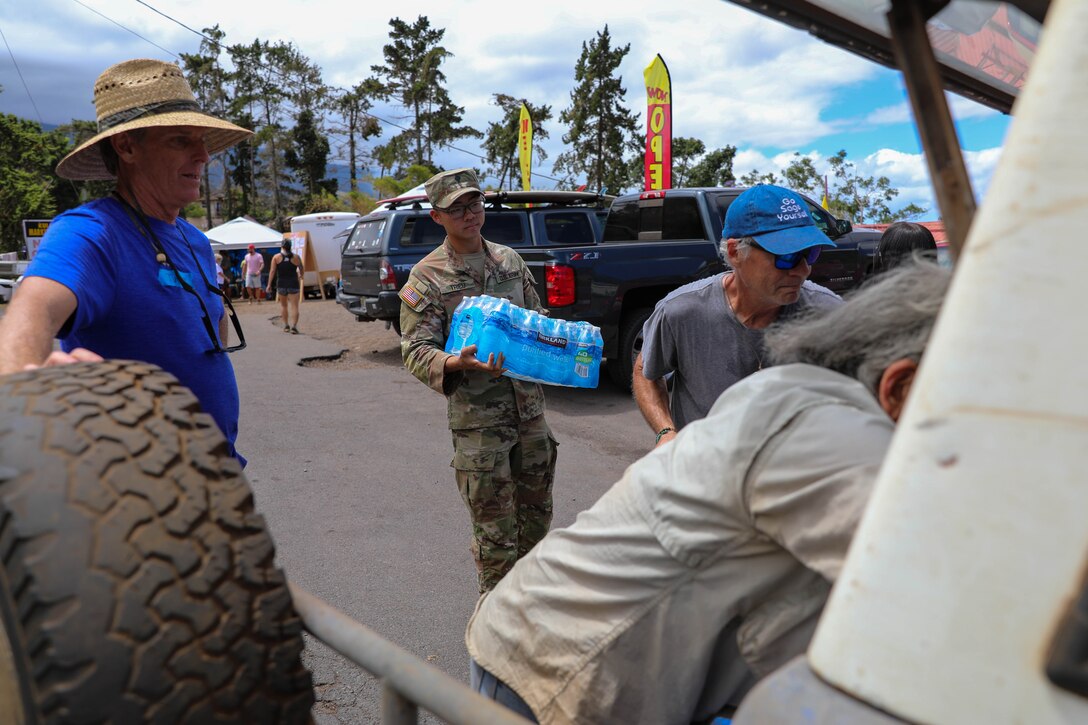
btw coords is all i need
(738, 78)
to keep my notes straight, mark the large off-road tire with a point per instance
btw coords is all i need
(620, 368)
(137, 583)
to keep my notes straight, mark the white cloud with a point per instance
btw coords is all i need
(738, 78)
(899, 113)
(964, 108)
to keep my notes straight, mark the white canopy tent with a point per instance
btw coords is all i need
(241, 232)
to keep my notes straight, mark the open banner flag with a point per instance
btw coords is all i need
(525, 146)
(658, 163)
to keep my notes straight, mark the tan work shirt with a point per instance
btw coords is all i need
(705, 567)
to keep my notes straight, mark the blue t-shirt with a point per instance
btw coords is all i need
(131, 307)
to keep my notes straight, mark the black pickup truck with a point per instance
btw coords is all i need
(384, 245)
(656, 241)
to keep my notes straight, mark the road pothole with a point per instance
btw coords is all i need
(345, 360)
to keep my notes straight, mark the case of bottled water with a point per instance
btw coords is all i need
(537, 348)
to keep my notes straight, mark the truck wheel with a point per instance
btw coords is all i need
(620, 369)
(137, 583)
(396, 325)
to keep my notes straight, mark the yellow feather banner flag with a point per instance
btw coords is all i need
(525, 147)
(657, 163)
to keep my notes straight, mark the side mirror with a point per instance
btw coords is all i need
(843, 226)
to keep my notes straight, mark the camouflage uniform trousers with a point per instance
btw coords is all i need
(505, 477)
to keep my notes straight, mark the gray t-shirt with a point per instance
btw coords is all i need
(694, 335)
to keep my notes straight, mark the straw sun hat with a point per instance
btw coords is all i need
(143, 94)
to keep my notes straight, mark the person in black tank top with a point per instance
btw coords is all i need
(287, 276)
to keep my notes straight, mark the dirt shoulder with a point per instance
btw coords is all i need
(366, 344)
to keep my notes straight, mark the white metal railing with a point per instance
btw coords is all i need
(407, 681)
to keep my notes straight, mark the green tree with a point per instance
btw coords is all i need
(801, 175)
(70, 194)
(602, 131)
(864, 198)
(850, 194)
(353, 107)
(309, 158)
(393, 156)
(412, 75)
(243, 164)
(685, 153)
(389, 187)
(270, 80)
(208, 80)
(715, 168)
(27, 182)
(501, 141)
(753, 177)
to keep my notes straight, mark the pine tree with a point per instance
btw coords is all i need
(413, 76)
(602, 130)
(501, 141)
(271, 79)
(353, 107)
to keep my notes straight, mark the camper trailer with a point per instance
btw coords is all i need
(322, 230)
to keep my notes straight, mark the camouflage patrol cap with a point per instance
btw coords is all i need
(447, 187)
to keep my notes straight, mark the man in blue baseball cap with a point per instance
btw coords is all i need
(709, 334)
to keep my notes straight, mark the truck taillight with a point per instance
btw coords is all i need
(559, 281)
(387, 280)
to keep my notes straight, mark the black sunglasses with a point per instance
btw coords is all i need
(792, 259)
(138, 219)
(458, 212)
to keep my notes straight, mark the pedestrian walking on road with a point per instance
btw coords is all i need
(252, 265)
(286, 275)
(503, 451)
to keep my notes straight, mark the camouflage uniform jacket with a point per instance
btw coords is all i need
(434, 289)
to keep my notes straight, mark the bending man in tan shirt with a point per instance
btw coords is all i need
(708, 564)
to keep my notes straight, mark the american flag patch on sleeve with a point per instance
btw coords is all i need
(410, 296)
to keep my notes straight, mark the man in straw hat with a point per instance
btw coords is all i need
(124, 276)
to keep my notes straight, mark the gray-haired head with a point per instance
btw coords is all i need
(744, 247)
(886, 320)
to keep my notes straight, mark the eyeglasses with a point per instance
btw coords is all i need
(160, 252)
(792, 259)
(456, 212)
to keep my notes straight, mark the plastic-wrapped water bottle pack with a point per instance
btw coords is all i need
(537, 348)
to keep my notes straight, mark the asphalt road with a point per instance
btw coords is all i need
(350, 467)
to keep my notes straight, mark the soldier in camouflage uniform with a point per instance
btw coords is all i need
(503, 452)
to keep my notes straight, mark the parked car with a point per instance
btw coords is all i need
(384, 245)
(7, 289)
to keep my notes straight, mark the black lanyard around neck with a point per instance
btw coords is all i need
(143, 226)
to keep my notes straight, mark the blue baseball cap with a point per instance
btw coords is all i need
(776, 218)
